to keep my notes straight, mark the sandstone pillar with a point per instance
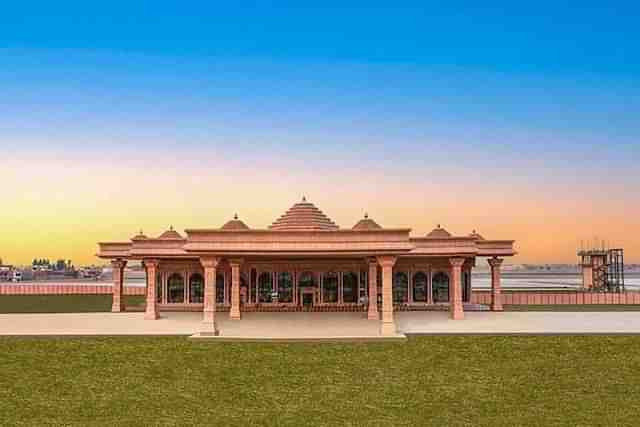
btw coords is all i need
(388, 325)
(118, 266)
(151, 310)
(455, 289)
(372, 312)
(235, 289)
(496, 296)
(209, 326)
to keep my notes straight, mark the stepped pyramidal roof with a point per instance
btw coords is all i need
(304, 216)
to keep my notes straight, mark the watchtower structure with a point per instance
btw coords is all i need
(602, 269)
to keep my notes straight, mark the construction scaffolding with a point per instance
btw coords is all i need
(602, 269)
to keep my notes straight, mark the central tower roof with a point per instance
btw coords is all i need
(303, 216)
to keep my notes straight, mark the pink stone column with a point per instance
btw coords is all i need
(496, 296)
(151, 310)
(209, 326)
(118, 281)
(455, 289)
(234, 313)
(388, 325)
(372, 312)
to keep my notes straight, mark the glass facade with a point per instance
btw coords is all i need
(285, 287)
(350, 287)
(196, 289)
(420, 287)
(175, 289)
(220, 294)
(440, 285)
(400, 287)
(159, 288)
(330, 288)
(265, 287)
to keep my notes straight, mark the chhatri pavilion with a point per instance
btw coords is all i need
(305, 262)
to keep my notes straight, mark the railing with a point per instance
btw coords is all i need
(565, 297)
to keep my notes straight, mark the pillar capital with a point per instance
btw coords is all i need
(211, 262)
(456, 262)
(387, 260)
(151, 263)
(235, 262)
(495, 262)
(118, 263)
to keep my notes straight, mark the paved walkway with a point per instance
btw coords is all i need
(321, 326)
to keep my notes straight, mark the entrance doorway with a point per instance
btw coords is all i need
(307, 299)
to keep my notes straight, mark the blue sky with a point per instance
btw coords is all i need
(504, 98)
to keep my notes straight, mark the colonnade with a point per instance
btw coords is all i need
(386, 263)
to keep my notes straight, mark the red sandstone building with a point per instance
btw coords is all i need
(304, 261)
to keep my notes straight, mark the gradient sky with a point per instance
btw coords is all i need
(520, 121)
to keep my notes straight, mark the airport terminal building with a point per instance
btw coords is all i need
(304, 261)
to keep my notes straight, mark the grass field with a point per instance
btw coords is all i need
(440, 381)
(62, 303)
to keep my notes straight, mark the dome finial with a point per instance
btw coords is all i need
(171, 227)
(235, 216)
(141, 232)
(366, 215)
(439, 226)
(304, 199)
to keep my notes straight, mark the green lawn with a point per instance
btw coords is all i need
(62, 303)
(440, 381)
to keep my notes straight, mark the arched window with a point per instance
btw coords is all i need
(420, 287)
(220, 288)
(285, 287)
(440, 287)
(350, 287)
(265, 287)
(466, 286)
(175, 289)
(400, 287)
(196, 289)
(159, 288)
(306, 280)
(330, 288)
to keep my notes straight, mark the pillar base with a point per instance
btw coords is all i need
(387, 329)
(209, 328)
(373, 315)
(234, 315)
(456, 314)
(496, 307)
(117, 308)
(151, 315)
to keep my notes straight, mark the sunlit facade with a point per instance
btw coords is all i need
(305, 262)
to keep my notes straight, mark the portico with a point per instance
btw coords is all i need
(305, 262)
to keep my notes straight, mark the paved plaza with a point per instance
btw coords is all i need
(320, 326)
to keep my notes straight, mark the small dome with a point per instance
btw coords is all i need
(170, 234)
(139, 236)
(366, 224)
(476, 235)
(438, 233)
(235, 224)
